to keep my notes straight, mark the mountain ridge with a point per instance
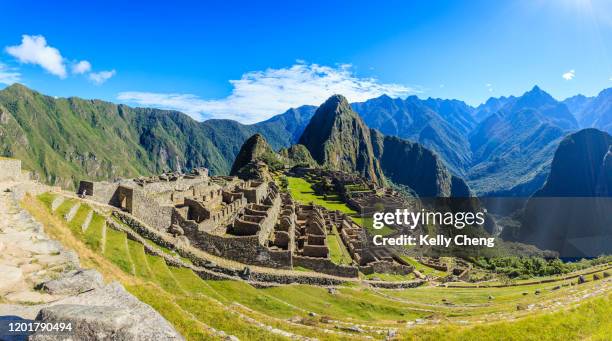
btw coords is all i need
(338, 138)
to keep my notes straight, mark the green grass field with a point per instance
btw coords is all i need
(301, 190)
(195, 307)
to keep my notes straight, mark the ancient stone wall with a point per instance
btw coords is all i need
(196, 210)
(244, 249)
(102, 192)
(326, 266)
(254, 191)
(150, 211)
(387, 268)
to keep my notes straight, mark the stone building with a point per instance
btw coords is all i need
(251, 221)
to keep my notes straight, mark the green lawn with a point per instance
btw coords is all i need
(301, 190)
(93, 234)
(390, 277)
(117, 249)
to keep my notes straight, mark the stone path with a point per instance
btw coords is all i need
(27, 255)
(40, 279)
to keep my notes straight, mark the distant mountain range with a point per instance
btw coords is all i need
(593, 112)
(503, 147)
(64, 140)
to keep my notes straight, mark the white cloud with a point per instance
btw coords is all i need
(81, 67)
(34, 50)
(489, 87)
(568, 76)
(258, 95)
(8, 75)
(101, 77)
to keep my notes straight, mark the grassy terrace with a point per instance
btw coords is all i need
(194, 306)
(301, 190)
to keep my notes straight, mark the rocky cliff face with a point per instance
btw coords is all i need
(581, 166)
(338, 138)
(570, 214)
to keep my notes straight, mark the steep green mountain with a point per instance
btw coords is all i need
(338, 138)
(512, 148)
(571, 213)
(255, 159)
(297, 155)
(440, 125)
(593, 112)
(64, 140)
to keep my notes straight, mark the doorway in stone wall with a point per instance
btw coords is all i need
(125, 199)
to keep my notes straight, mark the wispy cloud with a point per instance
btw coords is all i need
(489, 87)
(258, 95)
(34, 50)
(101, 77)
(8, 75)
(568, 76)
(81, 67)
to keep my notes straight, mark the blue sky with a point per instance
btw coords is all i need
(250, 60)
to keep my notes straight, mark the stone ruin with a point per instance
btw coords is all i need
(251, 221)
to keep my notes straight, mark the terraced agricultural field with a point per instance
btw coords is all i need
(207, 309)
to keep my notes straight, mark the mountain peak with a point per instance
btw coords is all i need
(18, 87)
(534, 99)
(335, 104)
(536, 91)
(254, 149)
(337, 137)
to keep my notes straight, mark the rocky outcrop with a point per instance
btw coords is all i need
(255, 160)
(107, 313)
(42, 280)
(27, 255)
(74, 282)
